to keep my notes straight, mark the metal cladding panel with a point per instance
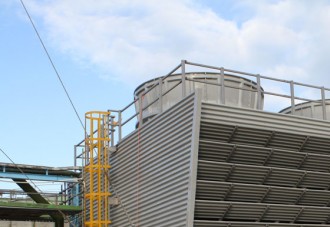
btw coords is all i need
(264, 120)
(218, 191)
(261, 169)
(151, 170)
(219, 151)
(247, 224)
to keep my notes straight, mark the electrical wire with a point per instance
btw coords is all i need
(61, 82)
(27, 177)
(53, 65)
(106, 173)
(56, 71)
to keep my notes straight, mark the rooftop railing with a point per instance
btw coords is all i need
(289, 94)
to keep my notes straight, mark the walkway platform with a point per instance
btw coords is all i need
(17, 211)
(38, 173)
(41, 209)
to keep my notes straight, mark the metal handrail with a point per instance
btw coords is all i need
(260, 92)
(21, 196)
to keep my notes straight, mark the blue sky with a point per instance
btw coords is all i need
(104, 49)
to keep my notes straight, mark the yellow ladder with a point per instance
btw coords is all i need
(96, 168)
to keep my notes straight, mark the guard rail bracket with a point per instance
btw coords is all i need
(112, 149)
(114, 201)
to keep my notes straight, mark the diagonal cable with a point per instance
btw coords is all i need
(53, 65)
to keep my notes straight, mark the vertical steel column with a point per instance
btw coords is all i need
(222, 79)
(112, 130)
(292, 97)
(324, 110)
(119, 126)
(258, 92)
(140, 109)
(104, 169)
(38, 198)
(75, 156)
(219, 88)
(183, 77)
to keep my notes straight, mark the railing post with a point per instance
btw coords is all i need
(258, 93)
(75, 156)
(292, 97)
(160, 100)
(183, 77)
(140, 109)
(324, 110)
(119, 125)
(61, 192)
(222, 80)
(112, 130)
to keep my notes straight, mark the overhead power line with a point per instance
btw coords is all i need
(53, 65)
(66, 92)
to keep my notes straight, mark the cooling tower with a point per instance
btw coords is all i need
(310, 109)
(211, 157)
(238, 91)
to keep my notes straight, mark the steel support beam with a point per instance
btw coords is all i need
(37, 177)
(34, 194)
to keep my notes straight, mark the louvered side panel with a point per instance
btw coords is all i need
(227, 115)
(261, 169)
(151, 170)
(247, 224)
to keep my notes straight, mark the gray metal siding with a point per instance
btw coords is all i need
(261, 169)
(262, 120)
(151, 170)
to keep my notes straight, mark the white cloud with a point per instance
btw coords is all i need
(287, 72)
(135, 40)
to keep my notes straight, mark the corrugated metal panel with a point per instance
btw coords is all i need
(247, 224)
(268, 137)
(151, 170)
(249, 174)
(263, 156)
(261, 169)
(220, 114)
(221, 191)
(239, 211)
